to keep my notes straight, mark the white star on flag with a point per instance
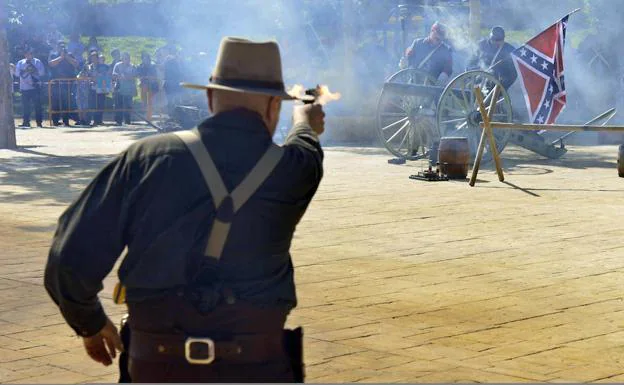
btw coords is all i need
(547, 103)
(550, 89)
(523, 52)
(533, 59)
(540, 119)
(544, 65)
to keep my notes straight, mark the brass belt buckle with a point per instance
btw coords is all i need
(199, 361)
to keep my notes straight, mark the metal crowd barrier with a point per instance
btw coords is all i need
(72, 95)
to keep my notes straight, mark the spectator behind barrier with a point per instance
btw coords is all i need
(30, 70)
(146, 71)
(124, 74)
(63, 65)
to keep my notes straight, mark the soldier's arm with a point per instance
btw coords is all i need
(409, 53)
(88, 240)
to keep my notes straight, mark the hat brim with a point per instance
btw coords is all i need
(253, 90)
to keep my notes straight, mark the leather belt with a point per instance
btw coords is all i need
(247, 348)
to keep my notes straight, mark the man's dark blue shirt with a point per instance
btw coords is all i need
(153, 200)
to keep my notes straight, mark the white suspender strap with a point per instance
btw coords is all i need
(256, 176)
(192, 140)
(241, 194)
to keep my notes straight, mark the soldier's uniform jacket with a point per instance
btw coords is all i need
(485, 57)
(440, 61)
(153, 200)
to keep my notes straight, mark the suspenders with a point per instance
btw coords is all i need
(222, 199)
(227, 204)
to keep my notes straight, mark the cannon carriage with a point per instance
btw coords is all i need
(413, 112)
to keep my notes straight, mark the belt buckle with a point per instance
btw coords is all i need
(199, 361)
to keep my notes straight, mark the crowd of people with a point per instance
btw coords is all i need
(83, 84)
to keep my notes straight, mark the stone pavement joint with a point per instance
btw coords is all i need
(398, 280)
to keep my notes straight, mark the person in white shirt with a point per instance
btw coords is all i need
(30, 70)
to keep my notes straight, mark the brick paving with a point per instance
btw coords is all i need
(398, 280)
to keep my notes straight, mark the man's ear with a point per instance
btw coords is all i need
(273, 108)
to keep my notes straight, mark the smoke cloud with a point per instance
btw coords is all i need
(312, 35)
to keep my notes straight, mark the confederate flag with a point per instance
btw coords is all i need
(539, 63)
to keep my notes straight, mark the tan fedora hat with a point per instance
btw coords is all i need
(247, 66)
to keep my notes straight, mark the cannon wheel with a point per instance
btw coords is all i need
(405, 123)
(458, 115)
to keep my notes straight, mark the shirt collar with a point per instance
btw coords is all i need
(240, 118)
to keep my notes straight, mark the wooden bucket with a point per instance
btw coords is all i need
(453, 156)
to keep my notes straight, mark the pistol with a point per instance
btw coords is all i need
(312, 94)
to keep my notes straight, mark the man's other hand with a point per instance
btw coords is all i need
(311, 114)
(102, 346)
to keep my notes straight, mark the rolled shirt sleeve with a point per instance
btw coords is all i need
(88, 240)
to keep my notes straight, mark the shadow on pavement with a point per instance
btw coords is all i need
(44, 176)
(572, 159)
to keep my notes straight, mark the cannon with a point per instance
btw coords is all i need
(413, 113)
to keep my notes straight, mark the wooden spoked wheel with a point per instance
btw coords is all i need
(406, 123)
(458, 115)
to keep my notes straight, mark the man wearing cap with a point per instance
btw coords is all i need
(30, 70)
(207, 217)
(493, 55)
(431, 54)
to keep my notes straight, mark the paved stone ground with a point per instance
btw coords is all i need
(398, 280)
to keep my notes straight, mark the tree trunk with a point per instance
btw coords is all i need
(7, 124)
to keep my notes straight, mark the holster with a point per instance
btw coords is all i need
(293, 344)
(124, 333)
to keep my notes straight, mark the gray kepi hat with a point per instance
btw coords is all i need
(247, 66)
(497, 33)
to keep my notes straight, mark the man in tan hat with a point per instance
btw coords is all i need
(207, 217)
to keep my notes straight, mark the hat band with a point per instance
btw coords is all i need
(234, 83)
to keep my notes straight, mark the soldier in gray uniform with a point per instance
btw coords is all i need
(431, 55)
(207, 217)
(493, 55)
